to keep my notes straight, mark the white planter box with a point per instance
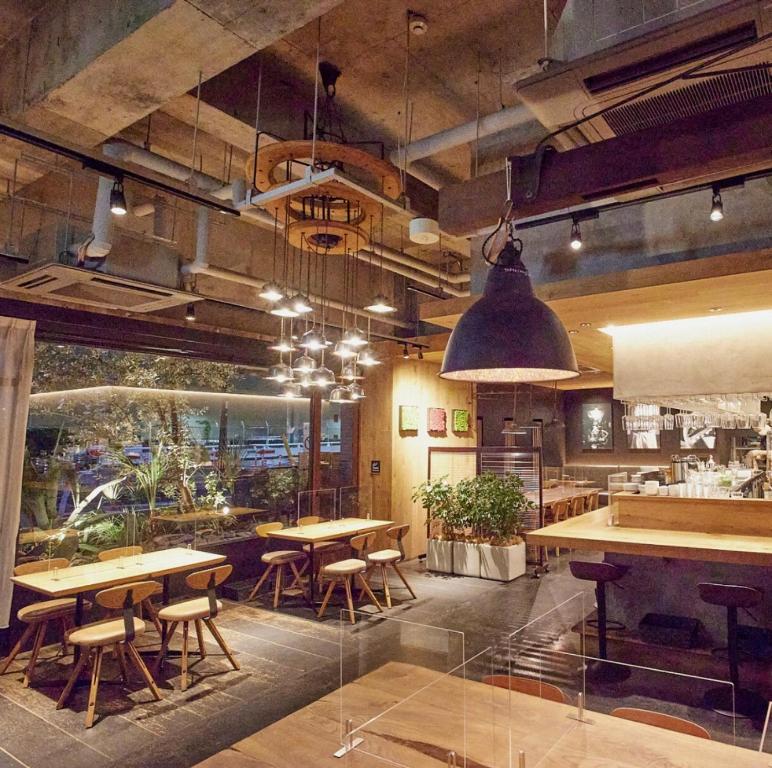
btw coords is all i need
(502, 563)
(439, 555)
(466, 559)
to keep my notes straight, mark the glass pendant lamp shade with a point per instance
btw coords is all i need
(381, 305)
(367, 359)
(356, 392)
(313, 341)
(291, 391)
(340, 395)
(509, 335)
(280, 372)
(283, 308)
(304, 364)
(271, 292)
(282, 345)
(343, 351)
(322, 377)
(354, 338)
(300, 304)
(350, 372)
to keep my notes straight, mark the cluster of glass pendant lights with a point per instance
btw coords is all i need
(304, 368)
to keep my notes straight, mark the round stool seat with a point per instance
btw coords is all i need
(344, 567)
(598, 572)
(282, 556)
(384, 556)
(188, 610)
(103, 632)
(730, 595)
(46, 609)
(321, 546)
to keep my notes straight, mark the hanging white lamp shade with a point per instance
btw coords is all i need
(424, 231)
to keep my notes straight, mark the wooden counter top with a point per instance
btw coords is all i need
(589, 531)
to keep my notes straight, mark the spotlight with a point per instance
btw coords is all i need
(190, 312)
(717, 206)
(405, 353)
(118, 199)
(576, 236)
(300, 304)
(283, 308)
(271, 292)
(381, 305)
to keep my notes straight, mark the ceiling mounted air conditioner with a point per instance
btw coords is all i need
(611, 79)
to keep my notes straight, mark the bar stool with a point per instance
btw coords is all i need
(147, 604)
(344, 572)
(601, 574)
(384, 558)
(119, 633)
(276, 561)
(197, 610)
(747, 703)
(37, 616)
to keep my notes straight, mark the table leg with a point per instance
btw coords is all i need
(312, 578)
(78, 622)
(165, 601)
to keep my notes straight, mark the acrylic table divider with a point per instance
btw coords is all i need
(322, 502)
(355, 501)
(407, 699)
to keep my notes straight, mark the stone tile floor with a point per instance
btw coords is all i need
(288, 659)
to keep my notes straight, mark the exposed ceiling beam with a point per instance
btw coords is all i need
(631, 166)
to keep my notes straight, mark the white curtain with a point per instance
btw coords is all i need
(17, 354)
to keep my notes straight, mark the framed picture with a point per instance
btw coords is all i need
(437, 420)
(596, 427)
(693, 439)
(460, 420)
(409, 418)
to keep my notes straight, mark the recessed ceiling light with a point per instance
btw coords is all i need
(585, 325)
(716, 309)
(573, 331)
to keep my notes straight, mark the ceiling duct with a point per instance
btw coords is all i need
(610, 61)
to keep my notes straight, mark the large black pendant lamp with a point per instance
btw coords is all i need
(509, 335)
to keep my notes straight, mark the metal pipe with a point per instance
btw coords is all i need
(512, 117)
(390, 254)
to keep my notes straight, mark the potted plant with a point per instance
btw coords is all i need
(437, 497)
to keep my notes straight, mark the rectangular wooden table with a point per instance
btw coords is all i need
(330, 530)
(416, 716)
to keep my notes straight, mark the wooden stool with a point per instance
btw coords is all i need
(118, 633)
(390, 557)
(601, 574)
(276, 561)
(746, 703)
(197, 610)
(344, 572)
(37, 616)
(147, 603)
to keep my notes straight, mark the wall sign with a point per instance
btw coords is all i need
(408, 418)
(437, 420)
(460, 420)
(375, 467)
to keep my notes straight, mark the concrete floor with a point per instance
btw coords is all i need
(288, 659)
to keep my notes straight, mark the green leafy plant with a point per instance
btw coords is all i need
(438, 498)
(148, 476)
(213, 498)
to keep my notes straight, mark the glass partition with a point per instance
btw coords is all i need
(321, 503)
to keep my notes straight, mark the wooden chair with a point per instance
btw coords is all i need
(556, 513)
(38, 615)
(119, 634)
(197, 610)
(147, 604)
(323, 550)
(528, 686)
(390, 557)
(592, 501)
(276, 561)
(659, 720)
(344, 572)
(576, 506)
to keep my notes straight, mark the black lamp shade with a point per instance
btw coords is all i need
(509, 335)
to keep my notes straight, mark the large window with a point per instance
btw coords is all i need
(128, 449)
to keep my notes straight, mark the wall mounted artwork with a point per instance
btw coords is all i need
(437, 420)
(409, 416)
(596, 427)
(460, 420)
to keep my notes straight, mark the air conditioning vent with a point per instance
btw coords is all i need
(702, 96)
(94, 289)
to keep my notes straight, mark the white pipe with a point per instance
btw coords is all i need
(390, 254)
(102, 223)
(202, 237)
(504, 119)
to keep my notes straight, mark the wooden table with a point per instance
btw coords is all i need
(80, 579)
(449, 713)
(330, 530)
(590, 531)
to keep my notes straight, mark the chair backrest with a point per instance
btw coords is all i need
(577, 505)
(263, 529)
(397, 533)
(660, 720)
(311, 520)
(592, 501)
(125, 597)
(560, 509)
(36, 566)
(529, 687)
(362, 543)
(116, 552)
(209, 577)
